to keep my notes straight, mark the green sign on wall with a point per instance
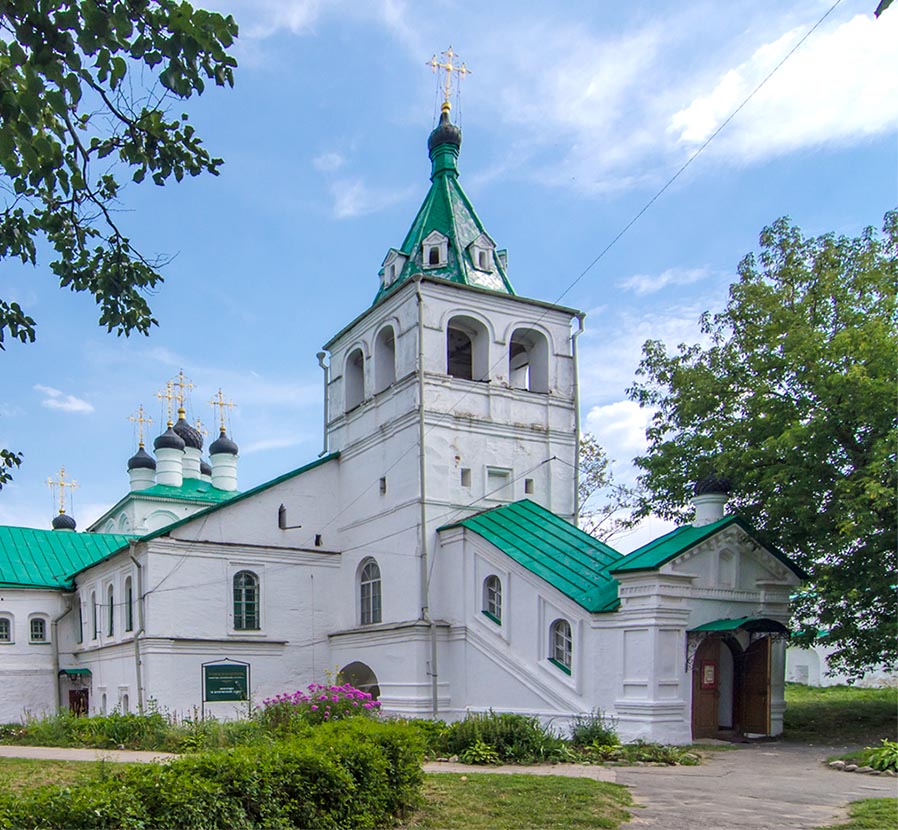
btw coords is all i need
(225, 681)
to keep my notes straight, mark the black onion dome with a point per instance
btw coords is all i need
(141, 460)
(712, 484)
(190, 436)
(205, 468)
(63, 522)
(169, 440)
(223, 444)
(445, 133)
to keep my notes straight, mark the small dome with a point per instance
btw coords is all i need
(223, 444)
(141, 460)
(63, 522)
(169, 440)
(190, 436)
(445, 133)
(712, 484)
(205, 468)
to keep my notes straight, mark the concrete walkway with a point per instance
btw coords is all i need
(770, 786)
(54, 753)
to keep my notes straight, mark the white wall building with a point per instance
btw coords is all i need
(428, 553)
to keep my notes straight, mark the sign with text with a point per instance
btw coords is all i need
(225, 681)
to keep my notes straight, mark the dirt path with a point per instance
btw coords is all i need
(757, 787)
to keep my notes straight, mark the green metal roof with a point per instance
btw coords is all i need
(748, 623)
(31, 558)
(567, 558)
(193, 489)
(447, 209)
(660, 551)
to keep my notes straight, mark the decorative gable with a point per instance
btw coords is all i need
(482, 251)
(434, 250)
(392, 267)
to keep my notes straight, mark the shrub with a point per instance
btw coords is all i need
(320, 704)
(358, 773)
(594, 728)
(516, 738)
(882, 757)
(479, 753)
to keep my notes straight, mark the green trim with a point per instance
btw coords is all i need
(75, 672)
(490, 616)
(748, 623)
(559, 665)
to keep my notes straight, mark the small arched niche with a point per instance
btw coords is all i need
(384, 359)
(528, 360)
(467, 349)
(360, 676)
(354, 379)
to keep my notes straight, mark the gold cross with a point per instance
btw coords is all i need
(200, 428)
(449, 67)
(140, 421)
(182, 383)
(169, 396)
(222, 405)
(61, 483)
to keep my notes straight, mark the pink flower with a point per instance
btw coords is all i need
(314, 708)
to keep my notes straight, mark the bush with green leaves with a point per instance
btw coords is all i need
(286, 713)
(518, 739)
(593, 728)
(882, 757)
(357, 773)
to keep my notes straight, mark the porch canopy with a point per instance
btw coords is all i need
(74, 672)
(751, 624)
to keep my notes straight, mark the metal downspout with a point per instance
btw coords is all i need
(324, 366)
(580, 318)
(138, 663)
(55, 639)
(425, 558)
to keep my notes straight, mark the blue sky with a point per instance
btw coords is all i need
(574, 116)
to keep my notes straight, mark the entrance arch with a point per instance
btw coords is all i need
(360, 676)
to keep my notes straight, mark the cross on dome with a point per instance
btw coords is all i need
(61, 483)
(448, 67)
(140, 420)
(223, 405)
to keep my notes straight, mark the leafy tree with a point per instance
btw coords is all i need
(85, 87)
(604, 505)
(794, 401)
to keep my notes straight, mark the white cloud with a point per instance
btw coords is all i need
(328, 162)
(352, 197)
(841, 85)
(55, 399)
(272, 444)
(643, 284)
(620, 428)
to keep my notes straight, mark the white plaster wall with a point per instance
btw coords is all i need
(811, 667)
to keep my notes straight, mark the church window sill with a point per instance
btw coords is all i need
(560, 666)
(492, 617)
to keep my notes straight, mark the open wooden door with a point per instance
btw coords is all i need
(706, 690)
(756, 688)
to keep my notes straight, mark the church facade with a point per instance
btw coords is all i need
(428, 554)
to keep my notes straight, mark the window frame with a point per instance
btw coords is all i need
(492, 599)
(10, 637)
(561, 645)
(44, 636)
(370, 593)
(128, 592)
(110, 610)
(246, 611)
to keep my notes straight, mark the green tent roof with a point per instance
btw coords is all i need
(660, 551)
(447, 209)
(567, 558)
(31, 558)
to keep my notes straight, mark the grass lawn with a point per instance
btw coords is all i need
(840, 714)
(18, 774)
(870, 814)
(484, 801)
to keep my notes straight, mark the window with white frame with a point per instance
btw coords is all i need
(369, 594)
(95, 622)
(129, 605)
(561, 645)
(384, 359)
(110, 611)
(79, 634)
(38, 630)
(492, 598)
(246, 601)
(354, 379)
(5, 630)
(467, 349)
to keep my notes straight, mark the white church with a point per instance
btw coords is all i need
(429, 554)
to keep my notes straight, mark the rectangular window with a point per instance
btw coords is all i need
(129, 606)
(95, 627)
(38, 630)
(465, 477)
(5, 630)
(246, 601)
(80, 633)
(528, 486)
(498, 484)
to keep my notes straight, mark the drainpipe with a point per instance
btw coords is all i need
(53, 634)
(580, 318)
(425, 558)
(323, 365)
(138, 663)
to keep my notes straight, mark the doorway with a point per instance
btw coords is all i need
(78, 702)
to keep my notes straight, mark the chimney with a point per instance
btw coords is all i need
(709, 500)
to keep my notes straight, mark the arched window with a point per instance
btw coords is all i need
(79, 635)
(126, 705)
(369, 594)
(354, 379)
(129, 605)
(38, 630)
(5, 630)
(246, 601)
(95, 622)
(384, 359)
(467, 349)
(528, 361)
(561, 645)
(110, 611)
(492, 598)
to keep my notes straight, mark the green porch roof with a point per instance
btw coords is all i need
(193, 489)
(567, 558)
(662, 550)
(448, 210)
(748, 623)
(31, 558)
